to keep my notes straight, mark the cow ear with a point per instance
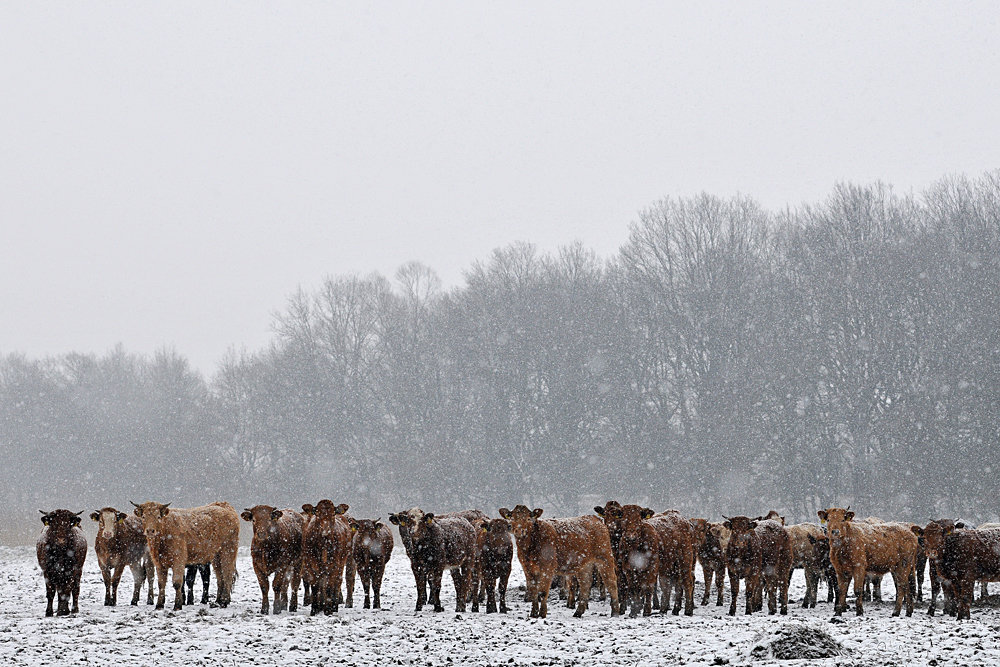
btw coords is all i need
(504, 512)
(537, 512)
(959, 524)
(378, 523)
(647, 513)
(484, 526)
(95, 516)
(822, 515)
(308, 509)
(429, 518)
(728, 524)
(164, 511)
(247, 515)
(138, 512)
(393, 519)
(812, 540)
(782, 520)
(354, 526)
(848, 516)
(76, 521)
(599, 510)
(121, 516)
(753, 525)
(917, 530)
(276, 514)
(342, 508)
(45, 519)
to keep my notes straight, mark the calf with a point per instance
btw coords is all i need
(372, 550)
(61, 550)
(496, 552)
(181, 537)
(677, 554)
(804, 556)
(571, 547)
(276, 549)
(857, 548)
(712, 556)
(933, 537)
(744, 561)
(776, 563)
(120, 542)
(326, 547)
(963, 557)
(639, 554)
(612, 519)
(436, 545)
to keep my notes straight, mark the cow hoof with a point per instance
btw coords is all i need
(48, 612)
(438, 608)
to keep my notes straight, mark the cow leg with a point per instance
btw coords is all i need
(752, 593)
(106, 575)
(435, 582)
(502, 587)
(293, 600)
(476, 588)
(734, 591)
(458, 578)
(544, 585)
(489, 581)
(571, 587)
(771, 584)
(720, 577)
(532, 588)
(421, 578)
(376, 578)
(62, 593)
(350, 575)
(843, 581)
(607, 571)
(138, 576)
(161, 586)
(920, 567)
(206, 576)
(178, 580)
(77, 576)
(783, 583)
(707, 573)
(811, 585)
(306, 595)
(338, 575)
(264, 586)
(877, 588)
(280, 588)
(116, 577)
(832, 588)
(190, 574)
(366, 580)
(859, 585)
(985, 592)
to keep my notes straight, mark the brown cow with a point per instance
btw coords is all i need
(805, 556)
(776, 563)
(61, 550)
(614, 524)
(372, 550)
(276, 549)
(938, 530)
(743, 560)
(857, 548)
(496, 552)
(678, 552)
(712, 556)
(326, 547)
(571, 547)
(963, 557)
(120, 542)
(181, 537)
(437, 545)
(985, 584)
(639, 554)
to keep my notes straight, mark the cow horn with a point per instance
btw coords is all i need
(78, 513)
(133, 503)
(166, 506)
(43, 511)
(726, 517)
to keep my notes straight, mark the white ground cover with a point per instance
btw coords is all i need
(240, 636)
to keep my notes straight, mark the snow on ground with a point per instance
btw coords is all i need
(240, 636)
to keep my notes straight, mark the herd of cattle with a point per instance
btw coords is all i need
(635, 556)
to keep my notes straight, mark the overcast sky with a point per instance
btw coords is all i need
(170, 172)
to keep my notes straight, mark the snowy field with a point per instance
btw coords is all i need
(240, 636)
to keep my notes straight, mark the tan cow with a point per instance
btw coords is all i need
(804, 556)
(181, 537)
(276, 549)
(571, 547)
(326, 548)
(120, 542)
(858, 548)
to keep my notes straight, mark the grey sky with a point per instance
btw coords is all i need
(170, 172)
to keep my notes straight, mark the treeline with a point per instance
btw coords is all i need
(727, 359)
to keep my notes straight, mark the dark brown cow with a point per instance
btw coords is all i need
(120, 542)
(372, 550)
(964, 557)
(744, 561)
(439, 544)
(712, 557)
(181, 537)
(326, 547)
(821, 549)
(639, 555)
(61, 550)
(276, 549)
(776, 563)
(678, 551)
(858, 548)
(496, 553)
(572, 547)
(938, 530)
(614, 524)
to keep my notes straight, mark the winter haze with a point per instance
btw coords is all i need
(205, 208)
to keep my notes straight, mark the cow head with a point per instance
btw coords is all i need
(497, 527)
(263, 517)
(821, 551)
(326, 509)
(699, 530)
(836, 520)
(935, 533)
(772, 516)
(412, 523)
(522, 520)
(612, 515)
(721, 532)
(151, 514)
(742, 533)
(108, 519)
(61, 519)
(632, 517)
(366, 533)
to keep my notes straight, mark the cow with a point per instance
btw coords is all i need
(963, 557)
(804, 555)
(191, 573)
(326, 548)
(638, 552)
(61, 550)
(677, 555)
(858, 547)
(938, 529)
(712, 556)
(985, 585)
(496, 553)
(181, 537)
(776, 563)
(120, 542)
(821, 551)
(744, 561)
(372, 550)
(613, 522)
(439, 544)
(276, 549)
(571, 547)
